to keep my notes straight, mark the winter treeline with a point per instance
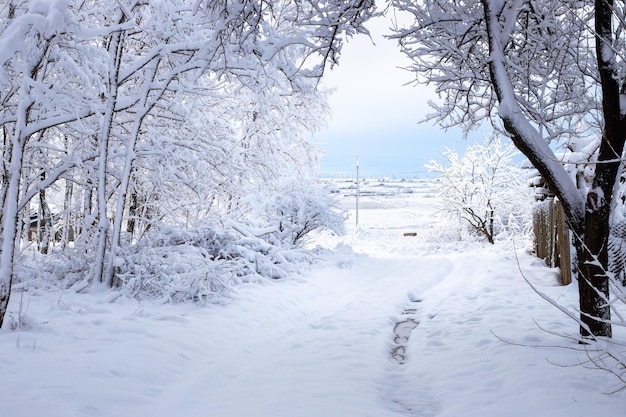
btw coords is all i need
(131, 128)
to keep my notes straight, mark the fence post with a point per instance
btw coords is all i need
(563, 245)
(543, 226)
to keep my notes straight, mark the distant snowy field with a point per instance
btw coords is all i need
(383, 325)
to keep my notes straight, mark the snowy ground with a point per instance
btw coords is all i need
(388, 325)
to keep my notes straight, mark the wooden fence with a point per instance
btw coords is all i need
(552, 236)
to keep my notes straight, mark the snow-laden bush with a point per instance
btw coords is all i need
(484, 190)
(296, 207)
(206, 260)
(202, 263)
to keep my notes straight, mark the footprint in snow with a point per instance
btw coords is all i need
(402, 331)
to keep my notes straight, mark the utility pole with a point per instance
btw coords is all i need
(357, 191)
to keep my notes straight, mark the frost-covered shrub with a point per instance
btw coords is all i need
(205, 260)
(298, 206)
(484, 190)
(202, 263)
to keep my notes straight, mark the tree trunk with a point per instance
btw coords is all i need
(115, 51)
(13, 172)
(44, 221)
(593, 280)
(9, 225)
(146, 104)
(68, 229)
(6, 157)
(133, 213)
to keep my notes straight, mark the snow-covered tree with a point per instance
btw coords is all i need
(542, 71)
(96, 100)
(297, 206)
(40, 91)
(485, 189)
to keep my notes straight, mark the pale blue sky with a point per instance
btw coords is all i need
(376, 116)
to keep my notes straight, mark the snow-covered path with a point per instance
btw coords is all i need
(321, 345)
